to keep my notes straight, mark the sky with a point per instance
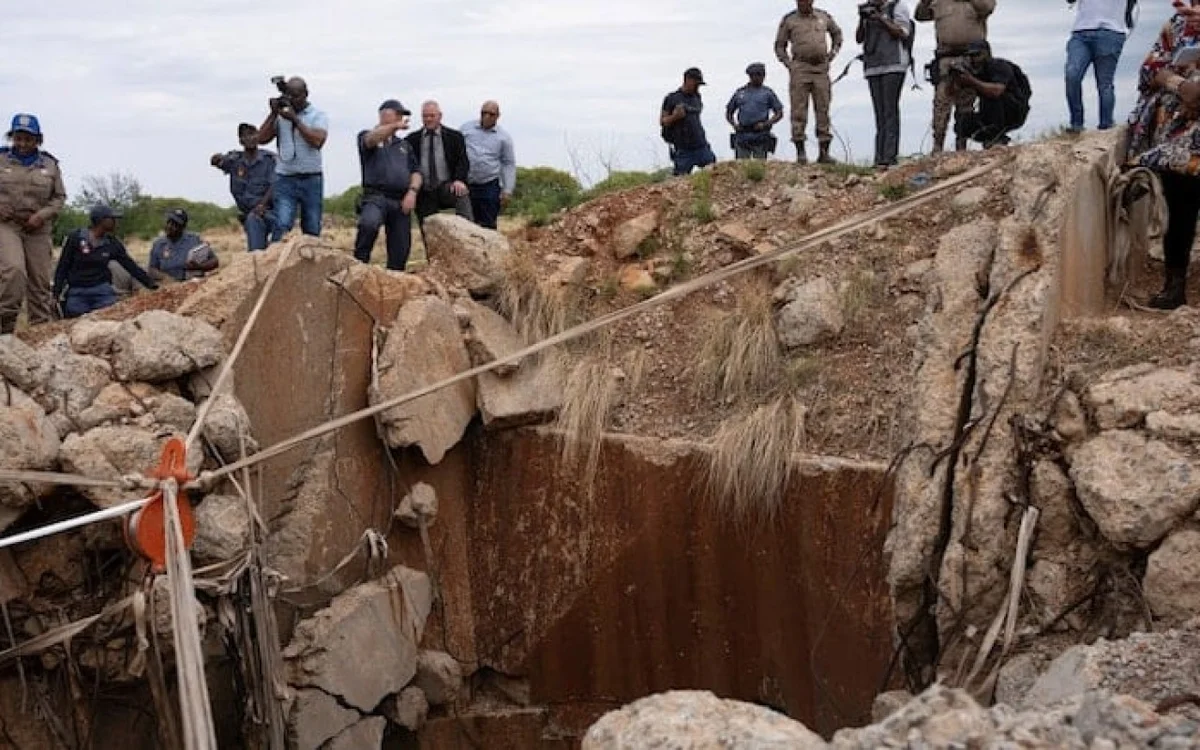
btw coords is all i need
(153, 88)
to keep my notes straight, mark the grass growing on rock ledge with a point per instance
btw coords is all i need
(702, 204)
(751, 461)
(589, 393)
(742, 356)
(534, 311)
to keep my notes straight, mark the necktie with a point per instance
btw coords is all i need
(432, 169)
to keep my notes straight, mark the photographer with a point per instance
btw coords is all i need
(756, 109)
(301, 130)
(682, 128)
(1003, 93)
(885, 31)
(957, 23)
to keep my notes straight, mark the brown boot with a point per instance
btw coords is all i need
(801, 154)
(1174, 291)
(825, 158)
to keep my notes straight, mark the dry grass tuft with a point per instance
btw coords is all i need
(751, 461)
(742, 357)
(588, 396)
(865, 293)
(535, 311)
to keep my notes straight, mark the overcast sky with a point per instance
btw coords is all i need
(153, 88)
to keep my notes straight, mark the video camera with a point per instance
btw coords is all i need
(283, 101)
(869, 10)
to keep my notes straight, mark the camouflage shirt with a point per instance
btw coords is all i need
(28, 190)
(807, 37)
(956, 23)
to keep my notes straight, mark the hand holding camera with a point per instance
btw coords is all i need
(868, 11)
(281, 105)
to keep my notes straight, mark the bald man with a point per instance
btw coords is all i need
(442, 152)
(302, 130)
(493, 165)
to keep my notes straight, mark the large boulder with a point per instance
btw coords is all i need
(1125, 397)
(222, 528)
(1136, 490)
(316, 718)
(491, 337)
(28, 442)
(532, 396)
(153, 347)
(74, 380)
(810, 313)
(113, 452)
(227, 428)
(1172, 585)
(363, 647)
(365, 735)
(473, 256)
(696, 720)
(423, 347)
(628, 237)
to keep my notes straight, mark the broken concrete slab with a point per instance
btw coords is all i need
(409, 709)
(317, 717)
(222, 529)
(363, 646)
(439, 676)
(490, 337)
(424, 347)
(533, 396)
(470, 254)
(113, 452)
(365, 735)
(1136, 490)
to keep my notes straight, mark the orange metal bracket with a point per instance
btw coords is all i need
(145, 531)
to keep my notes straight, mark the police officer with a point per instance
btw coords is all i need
(83, 280)
(805, 30)
(682, 127)
(31, 195)
(179, 254)
(391, 179)
(252, 182)
(956, 23)
(757, 109)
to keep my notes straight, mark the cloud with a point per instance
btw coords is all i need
(156, 88)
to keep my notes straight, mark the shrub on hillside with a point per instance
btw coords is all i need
(624, 180)
(343, 205)
(146, 217)
(542, 192)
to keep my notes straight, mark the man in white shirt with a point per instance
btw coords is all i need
(1096, 40)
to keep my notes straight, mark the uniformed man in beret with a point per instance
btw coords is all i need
(808, 40)
(752, 112)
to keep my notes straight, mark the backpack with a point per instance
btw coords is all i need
(1022, 92)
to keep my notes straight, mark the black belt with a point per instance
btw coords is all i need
(389, 194)
(303, 174)
(487, 182)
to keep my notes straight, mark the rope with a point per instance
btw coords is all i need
(116, 511)
(853, 224)
(244, 334)
(199, 730)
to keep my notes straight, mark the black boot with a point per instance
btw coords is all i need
(7, 324)
(801, 154)
(1174, 291)
(824, 157)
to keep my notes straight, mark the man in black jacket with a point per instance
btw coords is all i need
(83, 281)
(442, 153)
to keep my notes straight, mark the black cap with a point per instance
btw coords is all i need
(100, 212)
(246, 127)
(756, 69)
(395, 106)
(177, 216)
(695, 75)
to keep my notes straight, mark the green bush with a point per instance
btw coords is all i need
(343, 205)
(145, 218)
(754, 170)
(702, 205)
(542, 192)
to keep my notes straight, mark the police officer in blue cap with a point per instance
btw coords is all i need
(752, 112)
(31, 195)
(391, 178)
(83, 281)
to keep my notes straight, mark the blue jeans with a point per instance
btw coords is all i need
(1094, 47)
(261, 230)
(685, 160)
(303, 192)
(485, 203)
(83, 300)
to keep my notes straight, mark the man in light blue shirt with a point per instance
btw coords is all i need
(493, 172)
(301, 130)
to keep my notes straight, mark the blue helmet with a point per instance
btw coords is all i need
(25, 123)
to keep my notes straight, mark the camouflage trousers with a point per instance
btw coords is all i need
(25, 274)
(949, 96)
(813, 85)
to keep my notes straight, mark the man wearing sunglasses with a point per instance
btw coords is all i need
(493, 165)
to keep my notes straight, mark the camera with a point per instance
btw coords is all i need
(282, 101)
(868, 10)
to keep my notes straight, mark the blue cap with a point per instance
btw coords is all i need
(25, 123)
(101, 212)
(756, 69)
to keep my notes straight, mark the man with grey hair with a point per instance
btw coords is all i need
(442, 153)
(493, 165)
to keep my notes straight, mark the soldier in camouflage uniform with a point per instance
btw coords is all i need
(31, 195)
(805, 30)
(957, 23)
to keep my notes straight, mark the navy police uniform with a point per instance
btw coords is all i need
(387, 171)
(754, 107)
